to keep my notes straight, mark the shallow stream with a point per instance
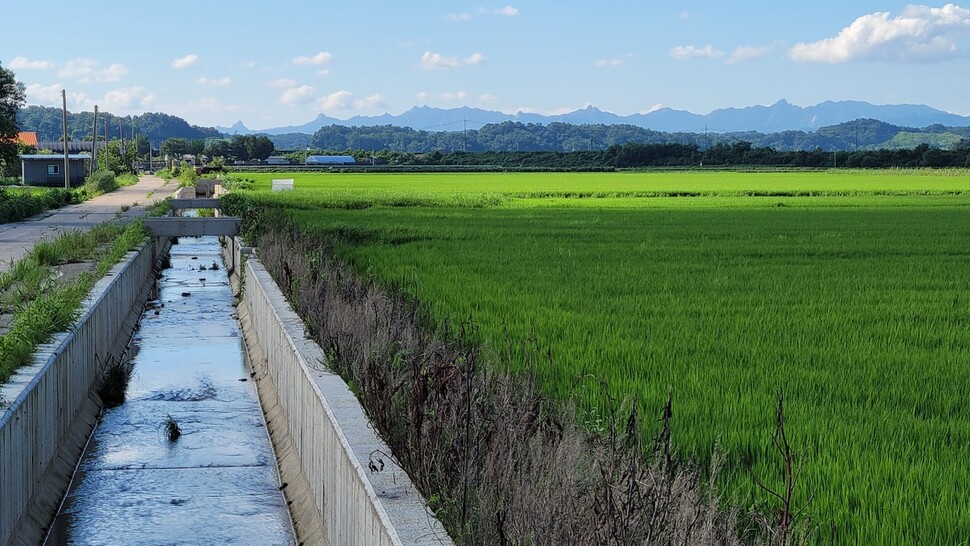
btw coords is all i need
(217, 483)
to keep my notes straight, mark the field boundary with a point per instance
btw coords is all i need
(363, 496)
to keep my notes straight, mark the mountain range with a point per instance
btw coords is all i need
(780, 116)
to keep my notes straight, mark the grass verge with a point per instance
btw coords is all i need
(42, 306)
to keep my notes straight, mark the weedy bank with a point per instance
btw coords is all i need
(846, 291)
(41, 293)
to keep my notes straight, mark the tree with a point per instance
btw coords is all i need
(175, 147)
(119, 159)
(260, 147)
(12, 97)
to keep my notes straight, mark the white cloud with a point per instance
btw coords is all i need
(370, 102)
(298, 95)
(281, 83)
(214, 82)
(124, 99)
(487, 97)
(432, 61)
(21, 63)
(653, 108)
(918, 34)
(458, 95)
(185, 62)
(684, 53)
(323, 72)
(749, 53)
(684, 15)
(507, 11)
(338, 100)
(609, 62)
(113, 73)
(148, 101)
(88, 70)
(423, 96)
(46, 95)
(323, 57)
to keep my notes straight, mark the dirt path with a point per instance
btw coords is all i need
(17, 238)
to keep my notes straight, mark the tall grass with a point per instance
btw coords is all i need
(19, 203)
(42, 307)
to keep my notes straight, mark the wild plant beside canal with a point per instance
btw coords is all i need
(115, 376)
(172, 429)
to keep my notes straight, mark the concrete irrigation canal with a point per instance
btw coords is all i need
(234, 431)
(217, 482)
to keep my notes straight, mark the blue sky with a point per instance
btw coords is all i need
(216, 62)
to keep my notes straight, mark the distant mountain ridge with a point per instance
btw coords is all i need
(780, 116)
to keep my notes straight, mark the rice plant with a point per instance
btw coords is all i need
(852, 298)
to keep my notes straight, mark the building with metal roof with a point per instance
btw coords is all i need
(46, 169)
(330, 160)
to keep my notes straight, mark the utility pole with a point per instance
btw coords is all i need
(94, 141)
(107, 152)
(134, 141)
(464, 138)
(121, 144)
(67, 163)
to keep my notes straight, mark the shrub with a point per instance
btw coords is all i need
(101, 182)
(186, 176)
(127, 179)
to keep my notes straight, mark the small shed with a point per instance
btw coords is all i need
(46, 169)
(277, 160)
(330, 160)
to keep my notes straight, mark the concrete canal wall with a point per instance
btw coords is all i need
(51, 406)
(363, 497)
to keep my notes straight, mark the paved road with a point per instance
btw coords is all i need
(17, 238)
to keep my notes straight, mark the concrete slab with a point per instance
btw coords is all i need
(197, 203)
(193, 227)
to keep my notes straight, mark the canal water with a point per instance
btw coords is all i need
(217, 483)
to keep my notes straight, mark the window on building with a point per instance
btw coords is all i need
(53, 169)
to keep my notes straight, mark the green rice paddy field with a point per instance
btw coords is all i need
(849, 291)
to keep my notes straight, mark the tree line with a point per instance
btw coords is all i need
(667, 155)
(857, 135)
(153, 126)
(236, 148)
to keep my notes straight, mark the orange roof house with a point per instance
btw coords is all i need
(28, 138)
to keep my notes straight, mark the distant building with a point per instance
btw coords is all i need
(45, 169)
(277, 160)
(73, 146)
(330, 160)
